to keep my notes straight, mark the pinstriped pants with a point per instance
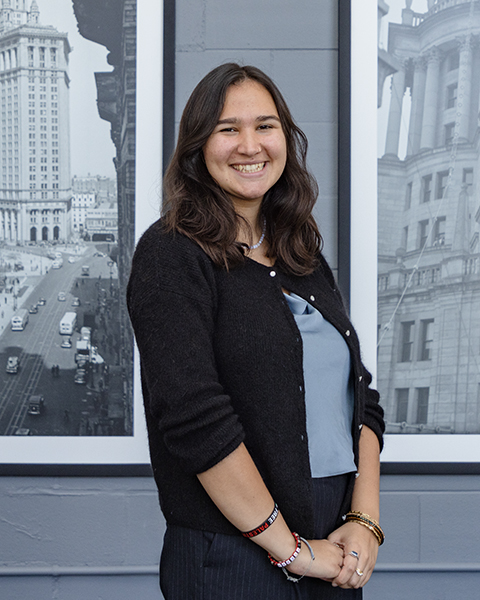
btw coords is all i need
(199, 565)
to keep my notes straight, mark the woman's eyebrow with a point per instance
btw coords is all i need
(267, 118)
(233, 120)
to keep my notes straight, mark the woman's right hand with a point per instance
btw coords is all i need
(327, 564)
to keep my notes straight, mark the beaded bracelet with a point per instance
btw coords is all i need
(366, 521)
(290, 559)
(312, 558)
(265, 525)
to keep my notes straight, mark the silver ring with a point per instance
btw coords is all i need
(354, 554)
(358, 572)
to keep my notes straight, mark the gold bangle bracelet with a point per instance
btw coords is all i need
(375, 529)
(370, 527)
(364, 516)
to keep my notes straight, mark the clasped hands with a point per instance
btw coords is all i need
(345, 559)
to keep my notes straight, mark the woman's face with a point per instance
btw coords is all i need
(247, 151)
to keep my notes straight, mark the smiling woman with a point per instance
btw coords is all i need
(258, 406)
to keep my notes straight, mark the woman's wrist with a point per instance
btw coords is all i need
(366, 520)
(301, 565)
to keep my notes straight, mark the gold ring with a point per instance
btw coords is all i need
(358, 572)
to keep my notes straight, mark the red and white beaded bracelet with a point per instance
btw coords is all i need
(291, 558)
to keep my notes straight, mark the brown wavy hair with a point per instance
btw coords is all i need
(195, 205)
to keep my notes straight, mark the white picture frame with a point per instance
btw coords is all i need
(404, 452)
(115, 454)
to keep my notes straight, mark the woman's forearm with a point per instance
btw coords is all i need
(237, 488)
(366, 491)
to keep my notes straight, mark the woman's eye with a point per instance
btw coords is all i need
(265, 127)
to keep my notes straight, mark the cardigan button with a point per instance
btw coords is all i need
(357, 475)
(302, 437)
(312, 298)
(300, 388)
(360, 378)
(272, 273)
(347, 333)
(360, 426)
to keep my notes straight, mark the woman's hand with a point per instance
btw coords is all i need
(354, 537)
(327, 564)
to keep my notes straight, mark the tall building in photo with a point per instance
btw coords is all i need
(429, 224)
(34, 110)
(113, 24)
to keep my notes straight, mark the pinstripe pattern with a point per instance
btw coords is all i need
(198, 565)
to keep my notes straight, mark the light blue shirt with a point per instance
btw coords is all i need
(328, 391)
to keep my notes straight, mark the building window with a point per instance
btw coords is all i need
(426, 339)
(404, 237)
(439, 231)
(467, 178)
(442, 181)
(401, 401)
(406, 346)
(422, 233)
(451, 98)
(453, 61)
(426, 188)
(449, 133)
(408, 195)
(422, 404)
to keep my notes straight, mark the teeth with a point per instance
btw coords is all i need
(249, 168)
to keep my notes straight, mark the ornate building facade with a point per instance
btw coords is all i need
(112, 23)
(429, 224)
(35, 195)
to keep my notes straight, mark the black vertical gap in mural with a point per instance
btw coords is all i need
(344, 146)
(169, 21)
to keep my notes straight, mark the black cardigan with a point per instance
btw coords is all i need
(221, 361)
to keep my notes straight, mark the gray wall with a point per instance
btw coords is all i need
(79, 538)
(295, 42)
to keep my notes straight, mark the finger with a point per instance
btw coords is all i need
(359, 577)
(346, 575)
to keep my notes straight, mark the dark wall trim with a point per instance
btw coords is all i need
(420, 468)
(76, 470)
(344, 146)
(169, 20)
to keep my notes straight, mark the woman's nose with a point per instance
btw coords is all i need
(248, 143)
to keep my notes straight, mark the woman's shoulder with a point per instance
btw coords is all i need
(170, 260)
(158, 244)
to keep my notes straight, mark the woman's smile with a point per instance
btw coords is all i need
(254, 168)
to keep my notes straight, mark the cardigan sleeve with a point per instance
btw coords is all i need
(373, 414)
(171, 302)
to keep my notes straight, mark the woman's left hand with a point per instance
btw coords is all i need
(355, 538)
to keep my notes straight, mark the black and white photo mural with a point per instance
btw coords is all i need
(428, 352)
(67, 217)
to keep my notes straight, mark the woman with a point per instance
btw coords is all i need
(259, 414)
